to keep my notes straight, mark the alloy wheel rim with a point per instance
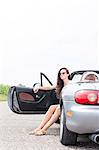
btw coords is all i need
(61, 125)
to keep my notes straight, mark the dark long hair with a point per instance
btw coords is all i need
(60, 82)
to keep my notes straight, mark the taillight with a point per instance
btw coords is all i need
(87, 97)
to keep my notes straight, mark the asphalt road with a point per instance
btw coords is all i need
(15, 128)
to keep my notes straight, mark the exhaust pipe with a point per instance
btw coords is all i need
(94, 138)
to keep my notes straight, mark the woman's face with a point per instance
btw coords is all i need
(63, 74)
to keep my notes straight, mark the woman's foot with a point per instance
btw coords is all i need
(40, 132)
(34, 131)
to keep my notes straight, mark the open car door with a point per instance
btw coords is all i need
(23, 100)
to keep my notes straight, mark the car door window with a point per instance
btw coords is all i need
(45, 80)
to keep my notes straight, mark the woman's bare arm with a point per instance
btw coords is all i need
(44, 88)
(47, 88)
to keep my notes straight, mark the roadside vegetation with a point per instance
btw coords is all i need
(4, 92)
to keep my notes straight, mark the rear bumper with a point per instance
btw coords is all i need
(85, 118)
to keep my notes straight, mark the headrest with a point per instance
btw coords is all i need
(90, 75)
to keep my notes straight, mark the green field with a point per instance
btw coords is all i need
(4, 92)
(3, 97)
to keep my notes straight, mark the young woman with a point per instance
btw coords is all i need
(53, 112)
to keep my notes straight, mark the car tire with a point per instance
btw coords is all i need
(66, 137)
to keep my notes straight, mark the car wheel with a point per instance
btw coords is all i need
(66, 137)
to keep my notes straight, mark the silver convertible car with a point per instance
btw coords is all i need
(80, 107)
(79, 104)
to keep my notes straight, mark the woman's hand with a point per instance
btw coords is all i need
(36, 89)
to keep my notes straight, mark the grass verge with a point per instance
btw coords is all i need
(3, 97)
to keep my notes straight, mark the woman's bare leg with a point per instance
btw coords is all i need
(48, 115)
(46, 118)
(52, 120)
